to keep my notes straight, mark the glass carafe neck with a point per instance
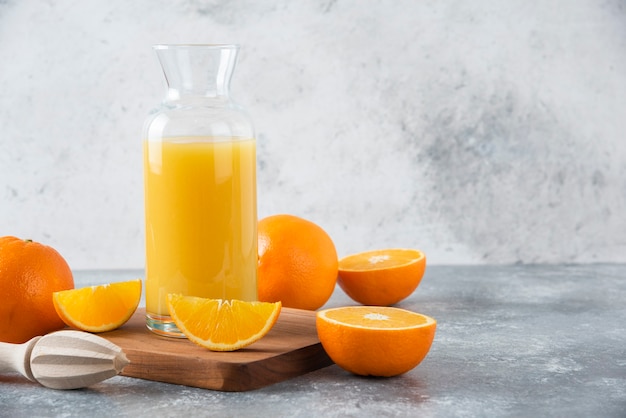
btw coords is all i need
(195, 72)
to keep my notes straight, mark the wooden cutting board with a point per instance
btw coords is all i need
(290, 349)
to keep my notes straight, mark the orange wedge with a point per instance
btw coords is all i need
(222, 325)
(98, 308)
(375, 340)
(381, 277)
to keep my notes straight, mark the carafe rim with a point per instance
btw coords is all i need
(206, 46)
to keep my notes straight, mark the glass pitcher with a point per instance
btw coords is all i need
(199, 154)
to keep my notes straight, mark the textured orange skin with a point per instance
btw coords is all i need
(382, 287)
(297, 262)
(378, 352)
(29, 273)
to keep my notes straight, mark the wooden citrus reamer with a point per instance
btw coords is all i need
(64, 359)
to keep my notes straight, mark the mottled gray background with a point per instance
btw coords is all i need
(478, 131)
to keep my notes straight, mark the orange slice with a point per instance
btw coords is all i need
(381, 277)
(98, 308)
(222, 325)
(375, 340)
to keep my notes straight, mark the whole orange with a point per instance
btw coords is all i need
(297, 262)
(29, 273)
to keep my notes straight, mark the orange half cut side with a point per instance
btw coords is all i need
(375, 340)
(381, 277)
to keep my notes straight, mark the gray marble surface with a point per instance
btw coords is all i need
(467, 129)
(519, 341)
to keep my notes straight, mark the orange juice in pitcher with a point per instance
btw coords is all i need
(200, 186)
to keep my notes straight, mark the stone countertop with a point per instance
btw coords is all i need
(511, 341)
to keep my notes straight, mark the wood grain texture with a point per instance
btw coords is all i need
(290, 349)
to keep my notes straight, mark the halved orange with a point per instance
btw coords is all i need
(222, 325)
(375, 340)
(381, 277)
(98, 308)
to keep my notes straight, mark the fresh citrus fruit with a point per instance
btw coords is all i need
(381, 277)
(222, 325)
(29, 273)
(297, 262)
(375, 340)
(98, 308)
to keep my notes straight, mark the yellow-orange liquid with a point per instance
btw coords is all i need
(201, 219)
